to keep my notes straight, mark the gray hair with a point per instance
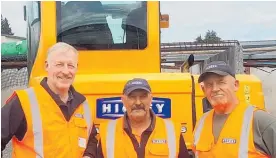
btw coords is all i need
(60, 46)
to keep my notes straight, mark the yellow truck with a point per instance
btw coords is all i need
(118, 41)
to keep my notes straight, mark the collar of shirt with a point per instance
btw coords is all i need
(56, 96)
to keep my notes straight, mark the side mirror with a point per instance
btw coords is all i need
(25, 13)
(164, 21)
(187, 64)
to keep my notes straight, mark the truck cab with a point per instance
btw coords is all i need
(116, 41)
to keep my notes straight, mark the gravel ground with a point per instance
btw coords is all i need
(7, 151)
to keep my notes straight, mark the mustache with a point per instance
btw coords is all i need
(214, 94)
(66, 76)
(138, 107)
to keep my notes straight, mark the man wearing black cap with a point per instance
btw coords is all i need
(231, 129)
(140, 133)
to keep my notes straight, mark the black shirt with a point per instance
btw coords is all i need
(13, 120)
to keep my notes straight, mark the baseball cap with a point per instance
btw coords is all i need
(217, 67)
(136, 83)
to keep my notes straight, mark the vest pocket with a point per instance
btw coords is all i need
(81, 127)
(79, 122)
(204, 150)
(159, 151)
(203, 147)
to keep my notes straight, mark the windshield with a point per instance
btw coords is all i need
(93, 25)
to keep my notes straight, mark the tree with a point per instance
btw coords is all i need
(199, 39)
(5, 26)
(210, 37)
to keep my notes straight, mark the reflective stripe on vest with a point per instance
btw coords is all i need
(87, 116)
(110, 138)
(199, 129)
(244, 140)
(37, 124)
(171, 138)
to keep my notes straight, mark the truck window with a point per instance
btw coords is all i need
(33, 32)
(102, 25)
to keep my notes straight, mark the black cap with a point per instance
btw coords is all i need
(136, 83)
(217, 67)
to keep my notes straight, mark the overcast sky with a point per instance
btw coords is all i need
(231, 20)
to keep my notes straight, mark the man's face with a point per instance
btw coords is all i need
(137, 104)
(220, 90)
(61, 67)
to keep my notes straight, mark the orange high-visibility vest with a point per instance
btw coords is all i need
(163, 142)
(235, 140)
(49, 134)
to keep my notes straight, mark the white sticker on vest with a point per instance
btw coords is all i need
(79, 115)
(82, 142)
(159, 141)
(229, 141)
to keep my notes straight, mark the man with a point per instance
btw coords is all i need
(50, 119)
(231, 129)
(140, 133)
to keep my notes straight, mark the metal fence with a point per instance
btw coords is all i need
(13, 78)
